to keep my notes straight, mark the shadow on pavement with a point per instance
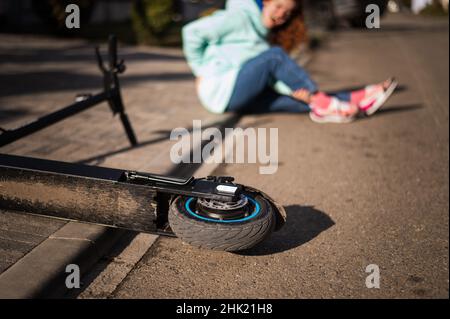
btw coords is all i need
(80, 53)
(101, 265)
(71, 78)
(395, 109)
(11, 113)
(163, 135)
(400, 88)
(53, 81)
(99, 159)
(304, 223)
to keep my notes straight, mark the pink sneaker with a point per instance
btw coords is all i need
(326, 109)
(373, 97)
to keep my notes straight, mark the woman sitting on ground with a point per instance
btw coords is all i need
(240, 59)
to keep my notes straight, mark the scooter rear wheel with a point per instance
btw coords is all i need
(219, 226)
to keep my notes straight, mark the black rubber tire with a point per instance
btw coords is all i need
(221, 236)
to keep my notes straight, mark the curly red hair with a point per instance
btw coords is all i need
(292, 33)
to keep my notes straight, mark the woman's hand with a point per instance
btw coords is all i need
(302, 95)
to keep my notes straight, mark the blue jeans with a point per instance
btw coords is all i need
(252, 93)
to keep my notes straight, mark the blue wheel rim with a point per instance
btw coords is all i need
(251, 216)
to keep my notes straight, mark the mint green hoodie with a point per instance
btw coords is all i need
(218, 45)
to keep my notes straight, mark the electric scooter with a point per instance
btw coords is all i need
(212, 212)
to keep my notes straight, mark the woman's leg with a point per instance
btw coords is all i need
(270, 101)
(271, 65)
(355, 96)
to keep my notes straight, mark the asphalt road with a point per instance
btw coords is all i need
(371, 192)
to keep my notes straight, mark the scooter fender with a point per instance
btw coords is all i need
(280, 212)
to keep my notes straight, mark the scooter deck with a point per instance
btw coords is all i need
(108, 196)
(76, 192)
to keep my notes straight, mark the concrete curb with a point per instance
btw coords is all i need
(42, 272)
